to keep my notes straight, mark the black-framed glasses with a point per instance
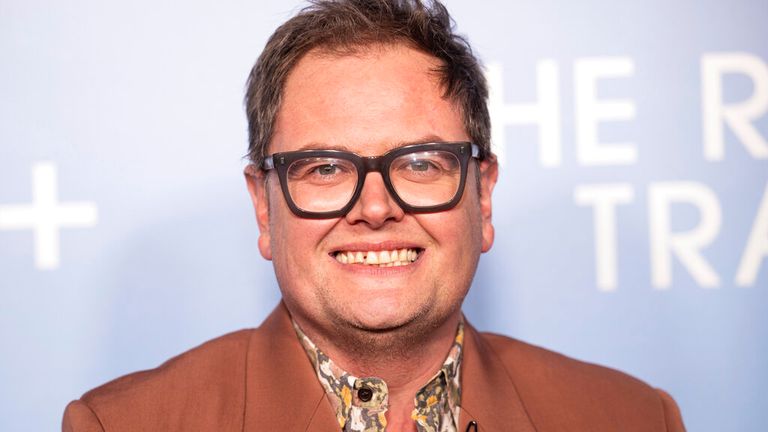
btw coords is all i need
(421, 178)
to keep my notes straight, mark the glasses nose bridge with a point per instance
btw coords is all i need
(373, 163)
(381, 202)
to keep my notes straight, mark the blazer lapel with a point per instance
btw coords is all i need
(283, 393)
(488, 394)
(282, 390)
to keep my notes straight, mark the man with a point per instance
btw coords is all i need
(371, 182)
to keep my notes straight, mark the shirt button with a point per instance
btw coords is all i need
(365, 394)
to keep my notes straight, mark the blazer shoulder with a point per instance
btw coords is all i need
(202, 386)
(544, 363)
(584, 391)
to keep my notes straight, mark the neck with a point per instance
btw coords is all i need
(405, 358)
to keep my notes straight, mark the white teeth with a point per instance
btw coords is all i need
(385, 258)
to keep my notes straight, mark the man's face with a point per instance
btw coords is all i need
(369, 103)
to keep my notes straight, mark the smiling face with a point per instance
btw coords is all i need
(330, 271)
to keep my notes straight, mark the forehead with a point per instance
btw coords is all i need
(368, 102)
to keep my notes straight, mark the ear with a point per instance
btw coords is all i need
(489, 172)
(256, 181)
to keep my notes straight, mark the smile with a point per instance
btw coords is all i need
(385, 258)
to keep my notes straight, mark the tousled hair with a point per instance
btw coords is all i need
(344, 26)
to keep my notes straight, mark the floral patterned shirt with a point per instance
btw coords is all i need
(361, 403)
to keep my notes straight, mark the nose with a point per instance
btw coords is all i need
(375, 206)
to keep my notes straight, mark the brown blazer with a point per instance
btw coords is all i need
(261, 380)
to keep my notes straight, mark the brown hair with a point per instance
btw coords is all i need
(342, 26)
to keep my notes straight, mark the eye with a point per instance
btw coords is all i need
(326, 170)
(425, 167)
(316, 169)
(420, 165)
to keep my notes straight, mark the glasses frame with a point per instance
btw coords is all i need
(280, 162)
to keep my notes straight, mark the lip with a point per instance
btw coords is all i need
(373, 270)
(375, 247)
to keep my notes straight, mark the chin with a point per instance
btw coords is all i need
(382, 316)
(382, 322)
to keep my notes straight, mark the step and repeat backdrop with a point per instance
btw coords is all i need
(631, 212)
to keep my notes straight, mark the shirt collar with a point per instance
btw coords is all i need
(361, 403)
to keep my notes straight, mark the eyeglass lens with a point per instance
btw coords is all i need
(420, 179)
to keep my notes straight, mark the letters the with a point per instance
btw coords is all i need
(545, 113)
(590, 111)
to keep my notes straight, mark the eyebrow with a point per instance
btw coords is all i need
(430, 138)
(322, 146)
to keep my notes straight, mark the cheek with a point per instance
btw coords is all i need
(296, 242)
(285, 244)
(457, 232)
(294, 263)
(470, 221)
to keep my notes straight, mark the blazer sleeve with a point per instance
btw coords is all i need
(79, 417)
(672, 417)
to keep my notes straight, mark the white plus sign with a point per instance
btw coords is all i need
(46, 216)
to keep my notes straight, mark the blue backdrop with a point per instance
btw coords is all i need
(631, 213)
